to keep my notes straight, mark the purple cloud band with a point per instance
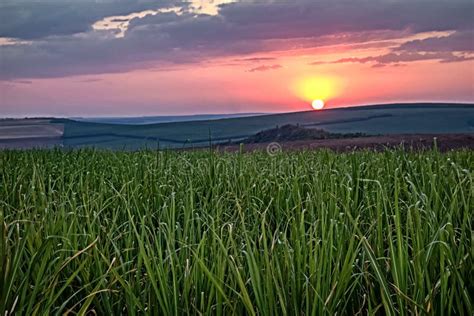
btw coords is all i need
(63, 43)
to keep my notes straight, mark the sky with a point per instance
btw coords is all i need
(133, 58)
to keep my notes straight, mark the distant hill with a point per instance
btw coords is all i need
(426, 118)
(387, 119)
(140, 120)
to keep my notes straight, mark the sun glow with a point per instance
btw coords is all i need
(316, 89)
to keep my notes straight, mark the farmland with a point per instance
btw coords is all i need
(374, 120)
(200, 232)
(388, 119)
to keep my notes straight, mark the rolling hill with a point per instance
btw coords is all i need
(388, 119)
(372, 120)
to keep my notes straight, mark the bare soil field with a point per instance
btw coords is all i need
(34, 128)
(30, 143)
(444, 142)
(30, 133)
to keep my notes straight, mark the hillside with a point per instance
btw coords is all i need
(418, 118)
(371, 120)
(141, 120)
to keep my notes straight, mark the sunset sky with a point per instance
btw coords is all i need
(117, 58)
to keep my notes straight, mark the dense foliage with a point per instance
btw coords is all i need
(171, 233)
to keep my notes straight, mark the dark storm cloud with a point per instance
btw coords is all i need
(38, 19)
(239, 28)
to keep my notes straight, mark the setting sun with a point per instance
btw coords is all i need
(318, 104)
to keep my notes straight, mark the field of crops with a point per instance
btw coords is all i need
(173, 233)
